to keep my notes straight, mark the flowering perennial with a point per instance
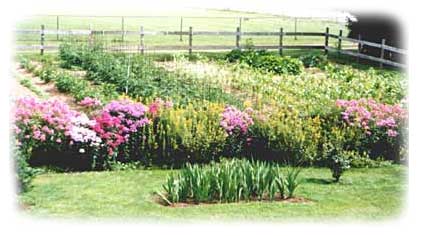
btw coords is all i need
(52, 121)
(156, 106)
(82, 131)
(234, 119)
(90, 102)
(117, 120)
(368, 114)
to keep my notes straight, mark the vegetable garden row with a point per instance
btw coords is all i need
(263, 107)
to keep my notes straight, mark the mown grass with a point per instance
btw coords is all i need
(211, 20)
(363, 194)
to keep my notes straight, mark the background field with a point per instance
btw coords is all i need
(200, 20)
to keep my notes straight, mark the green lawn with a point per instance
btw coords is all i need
(363, 194)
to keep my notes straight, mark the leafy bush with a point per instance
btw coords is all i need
(67, 83)
(265, 61)
(230, 181)
(69, 53)
(279, 65)
(184, 134)
(80, 88)
(337, 160)
(48, 73)
(285, 136)
(311, 60)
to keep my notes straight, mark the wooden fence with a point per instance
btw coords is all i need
(237, 35)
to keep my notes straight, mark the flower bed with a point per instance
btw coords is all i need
(296, 120)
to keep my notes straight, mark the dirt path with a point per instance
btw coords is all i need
(47, 88)
(18, 90)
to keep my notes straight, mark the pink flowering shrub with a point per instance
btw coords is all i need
(42, 122)
(236, 124)
(372, 116)
(51, 123)
(117, 121)
(89, 102)
(383, 127)
(234, 120)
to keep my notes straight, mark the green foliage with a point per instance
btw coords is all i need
(337, 160)
(139, 77)
(27, 64)
(67, 83)
(279, 65)
(24, 173)
(28, 83)
(285, 136)
(69, 55)
(230, 181)
(312, 60)
(265, 61)
(80, 88)
(291, 181)
(48, 73)
(184, 134)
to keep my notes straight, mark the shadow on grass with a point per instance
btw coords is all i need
(319, 181)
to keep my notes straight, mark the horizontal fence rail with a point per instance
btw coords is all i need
(141, 47)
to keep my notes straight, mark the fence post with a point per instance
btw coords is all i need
(340, 42)
(181, 29)
(42, 40)
(382, 52)
(237, 38)
(359, 48)
(58, 27)
(142, 41)
(326, 40)
(281, 37)
(190, 40)
(122, 28)
(295, 28)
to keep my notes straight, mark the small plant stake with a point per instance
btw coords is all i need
(128, 76)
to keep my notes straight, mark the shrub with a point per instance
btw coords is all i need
(236, 123)
(69, 54)
(184, 134)
(337, 160)
(285, 136)
(47, 73)
(279, 65)
(66, 83)
(379, 125)
(265, 61)
(117, 121)
(50, 126)
(81, 88)
(311, 60)
(230, 181)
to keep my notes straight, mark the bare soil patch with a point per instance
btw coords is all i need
(191, 203)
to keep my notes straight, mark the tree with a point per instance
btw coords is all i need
(374, 28)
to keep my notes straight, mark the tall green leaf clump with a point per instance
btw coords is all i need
(231, 181)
